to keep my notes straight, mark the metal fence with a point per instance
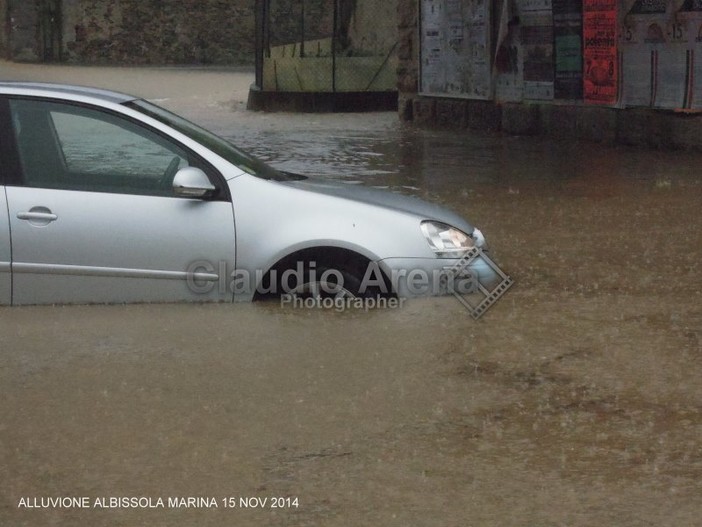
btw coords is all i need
(326, 46)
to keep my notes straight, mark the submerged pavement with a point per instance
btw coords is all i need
(575, 401)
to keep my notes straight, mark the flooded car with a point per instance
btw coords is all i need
(110, 198)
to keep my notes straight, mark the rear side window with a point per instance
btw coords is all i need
(69, 147)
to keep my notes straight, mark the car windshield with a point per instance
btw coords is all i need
(244, 161)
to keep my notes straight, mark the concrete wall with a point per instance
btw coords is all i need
(633, 126)
(578, 121)
(407, 57)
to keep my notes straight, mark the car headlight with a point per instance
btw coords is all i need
(479, 239)
(446, 240)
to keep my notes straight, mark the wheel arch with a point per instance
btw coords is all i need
(327, 256)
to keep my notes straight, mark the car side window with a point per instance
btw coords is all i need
(71, 147)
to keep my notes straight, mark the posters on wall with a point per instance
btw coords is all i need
(690, 15)
(523, 65)
(600, 51)
(524, 59)
(508, 61)
(644, 53)
(654, 57)
(536, 38)
(455, 48)
(639, 58)
(568, 36)
(671, 63)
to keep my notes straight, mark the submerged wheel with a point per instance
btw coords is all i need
(309, 279)
(326, 282)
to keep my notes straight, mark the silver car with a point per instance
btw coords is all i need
(107, 198)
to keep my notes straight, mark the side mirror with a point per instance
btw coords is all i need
(191, 182)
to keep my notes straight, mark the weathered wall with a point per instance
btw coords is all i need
(647, 127)
(372, 28)
(159, 32)
(22, 28)
(632, 126)
(139, 31)
(290, 24)
(4, 22)
(407, 57)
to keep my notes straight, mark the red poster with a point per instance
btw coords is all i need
(600, 51)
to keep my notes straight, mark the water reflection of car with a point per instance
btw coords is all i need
(109, 198)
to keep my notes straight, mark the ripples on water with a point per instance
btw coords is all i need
(381, 152)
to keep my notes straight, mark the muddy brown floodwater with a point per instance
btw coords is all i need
(575, 401)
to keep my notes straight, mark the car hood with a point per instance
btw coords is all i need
(383, 198)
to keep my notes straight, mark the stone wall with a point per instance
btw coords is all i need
(159, 32)
(4, 32)
(135, 31)
(21, 30)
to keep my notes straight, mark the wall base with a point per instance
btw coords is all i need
(630, 126)
(305, 102)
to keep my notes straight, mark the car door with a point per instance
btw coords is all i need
(95, 219)
(5, 247)
(5, 276)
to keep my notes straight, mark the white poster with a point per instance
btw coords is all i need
(643, 38)
(672, 67)
(690, 16)
(655, 58)
(455, 48)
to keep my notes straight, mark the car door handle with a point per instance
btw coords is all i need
(37, 216)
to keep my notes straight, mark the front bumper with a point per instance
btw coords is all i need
(418, 277)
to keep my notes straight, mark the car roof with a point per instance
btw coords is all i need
(63, 90)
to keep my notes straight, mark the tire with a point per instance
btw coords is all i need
(305, 278)
(327, 282)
